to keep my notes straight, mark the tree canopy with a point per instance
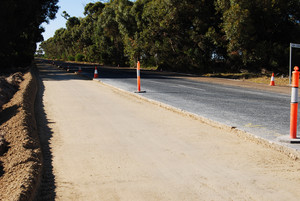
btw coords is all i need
(20, 29)
(182, 35)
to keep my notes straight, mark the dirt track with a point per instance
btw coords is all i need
(106, 145)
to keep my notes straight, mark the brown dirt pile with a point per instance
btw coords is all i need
(8, 86)
(20, 165)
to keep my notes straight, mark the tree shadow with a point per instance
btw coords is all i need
(1, 169)
(47, 186)
(65, 68)
(8, 113)
(3, 149)
(49, 72)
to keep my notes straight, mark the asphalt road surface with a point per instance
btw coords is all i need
(263, 113)
(103, 144)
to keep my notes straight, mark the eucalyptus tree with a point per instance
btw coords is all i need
(259, 32)
(174, 33)
(109, 39)
(183, 35)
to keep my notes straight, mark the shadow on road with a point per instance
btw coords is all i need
(47, 186)
(49, 72)
(59, 68)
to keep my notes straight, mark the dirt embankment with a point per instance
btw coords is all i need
(20, 164)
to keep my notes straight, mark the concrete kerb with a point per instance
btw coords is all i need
(276, 145)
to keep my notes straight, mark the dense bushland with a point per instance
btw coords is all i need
(182, 35)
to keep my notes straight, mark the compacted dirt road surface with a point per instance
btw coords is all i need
(107, 145)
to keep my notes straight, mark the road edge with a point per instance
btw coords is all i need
(290, 152)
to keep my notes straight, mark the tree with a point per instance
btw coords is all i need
(183, 35)
(108, 38)
(259, 32)
(20, 29)
(174, 34)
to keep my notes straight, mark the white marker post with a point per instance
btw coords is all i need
(292, 45)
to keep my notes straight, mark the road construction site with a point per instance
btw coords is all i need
(101, 143)
(258, 109)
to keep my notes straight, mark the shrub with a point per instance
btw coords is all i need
(79, 57)
(71, 58)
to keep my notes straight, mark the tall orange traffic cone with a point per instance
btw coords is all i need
(294, 104)
(138, 76)
(138, 71)
(272, 83)
(79, 70)
(96, 73)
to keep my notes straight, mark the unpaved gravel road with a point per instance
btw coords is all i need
(106, 145)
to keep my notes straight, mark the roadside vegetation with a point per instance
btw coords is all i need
(182, 35)
(20, 30)
(262, 78)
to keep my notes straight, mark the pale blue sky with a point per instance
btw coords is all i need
(73, 8)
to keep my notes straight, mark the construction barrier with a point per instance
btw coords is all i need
(272, 82)
(294, 103)
(96, 73)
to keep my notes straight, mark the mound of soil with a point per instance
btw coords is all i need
(20, 160)
(8, 86)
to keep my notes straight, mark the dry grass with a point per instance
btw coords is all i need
(251, 77)
(279, 81)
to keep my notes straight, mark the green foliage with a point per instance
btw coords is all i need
(182, 35)
(71, 58)
(20, 29)
(258, 33)
(79, 57)
(65, 15)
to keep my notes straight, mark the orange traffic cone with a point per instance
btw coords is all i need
(138, 70)
(96, 73)
(272, 83)
(79, 70)
(138, 76)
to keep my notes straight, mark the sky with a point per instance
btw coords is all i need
(72, 7)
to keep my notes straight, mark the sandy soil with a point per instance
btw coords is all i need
(20, 163)
(102, 144)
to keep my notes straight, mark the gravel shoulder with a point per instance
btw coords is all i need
(108, 145)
